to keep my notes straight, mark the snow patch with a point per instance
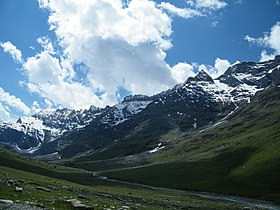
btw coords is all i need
(194, 124)
(124, 111)
(34, 122)
(272, 70)
(159, 147)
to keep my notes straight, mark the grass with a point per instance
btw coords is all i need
(63, 184)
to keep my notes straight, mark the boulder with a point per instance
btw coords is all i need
(78, 204)
(19, 189)
(6, 202)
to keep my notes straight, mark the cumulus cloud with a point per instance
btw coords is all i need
(4, 114)
(13, 101)
(269, 40)
(220, 66)
(181, 12)
(8, 103)
(182, 71)
(48, 78)
(16, 54)
(120, 46)
(46, 44)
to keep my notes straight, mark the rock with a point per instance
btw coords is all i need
(125, 207)
(40, 205)
(82, 196)
(52, 187)
(10, 182)
(19, 189)
(6, 202)
(120, 199)
(78, 204)
(43, 189)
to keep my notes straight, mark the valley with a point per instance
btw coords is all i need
(204, 144)
(47, 186)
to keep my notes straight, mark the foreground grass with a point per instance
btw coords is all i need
(50, 186)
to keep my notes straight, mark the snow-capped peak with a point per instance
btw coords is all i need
(203, 76)
(33, 122)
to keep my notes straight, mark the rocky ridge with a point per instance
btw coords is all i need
(198, 102)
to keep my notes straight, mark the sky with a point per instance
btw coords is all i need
(74, 54)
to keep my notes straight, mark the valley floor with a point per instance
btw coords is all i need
(28, 184)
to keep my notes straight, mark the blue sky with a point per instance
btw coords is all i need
(58, 53)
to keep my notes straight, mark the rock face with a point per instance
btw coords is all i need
(136, 124)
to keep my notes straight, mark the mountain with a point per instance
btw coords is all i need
(197, 103)
(29, 133)
(141, 123)
(239, 155)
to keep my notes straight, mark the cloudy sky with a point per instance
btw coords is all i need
(72, 53)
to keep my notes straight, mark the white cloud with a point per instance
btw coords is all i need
(12, 101)
(205, 68)
(221, 66)
(182, 71)
(121, 46)
(207, 4)
(4, 114)
(140, 22)
(269, 40)
(214, 23)
(10, 104)
(8, 47)
(35, 107)
(181, 12)
(266, 57)
(46, 44)
(239, 2)
(50, 80)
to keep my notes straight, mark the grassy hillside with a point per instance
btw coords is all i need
(50, 186)
(240, 156)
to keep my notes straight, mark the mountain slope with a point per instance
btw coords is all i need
(199, 102)
(48, 186)
(140, 123)
(239, 156)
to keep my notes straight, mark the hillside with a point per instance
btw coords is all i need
(239, 155)
(28, 184)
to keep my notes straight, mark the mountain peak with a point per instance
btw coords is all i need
(136, 98)
(203, 76)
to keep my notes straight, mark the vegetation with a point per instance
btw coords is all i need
(50, 186)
